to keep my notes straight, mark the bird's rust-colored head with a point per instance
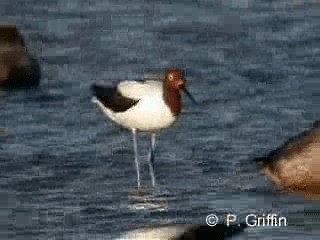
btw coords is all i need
(174, 81)
(174, 78)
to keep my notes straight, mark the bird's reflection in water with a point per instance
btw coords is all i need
(147, 199)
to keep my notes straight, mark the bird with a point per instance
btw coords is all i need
(144, 105)
(18, 69)
(185, 232)
(295, 165)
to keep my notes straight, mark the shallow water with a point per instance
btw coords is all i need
(66, 171)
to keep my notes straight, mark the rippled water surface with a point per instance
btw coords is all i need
(66, 172)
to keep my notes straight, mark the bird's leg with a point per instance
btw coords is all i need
(135, 148)
(151, 158)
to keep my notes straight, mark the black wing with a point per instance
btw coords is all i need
(111, 98)
(218, 232)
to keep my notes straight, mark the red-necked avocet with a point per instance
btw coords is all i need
(148, 105)
(295, 165)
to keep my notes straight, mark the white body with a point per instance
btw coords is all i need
(151, 113)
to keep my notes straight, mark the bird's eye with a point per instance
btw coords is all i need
(170, 77)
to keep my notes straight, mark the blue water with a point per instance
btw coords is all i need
(66, 171)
